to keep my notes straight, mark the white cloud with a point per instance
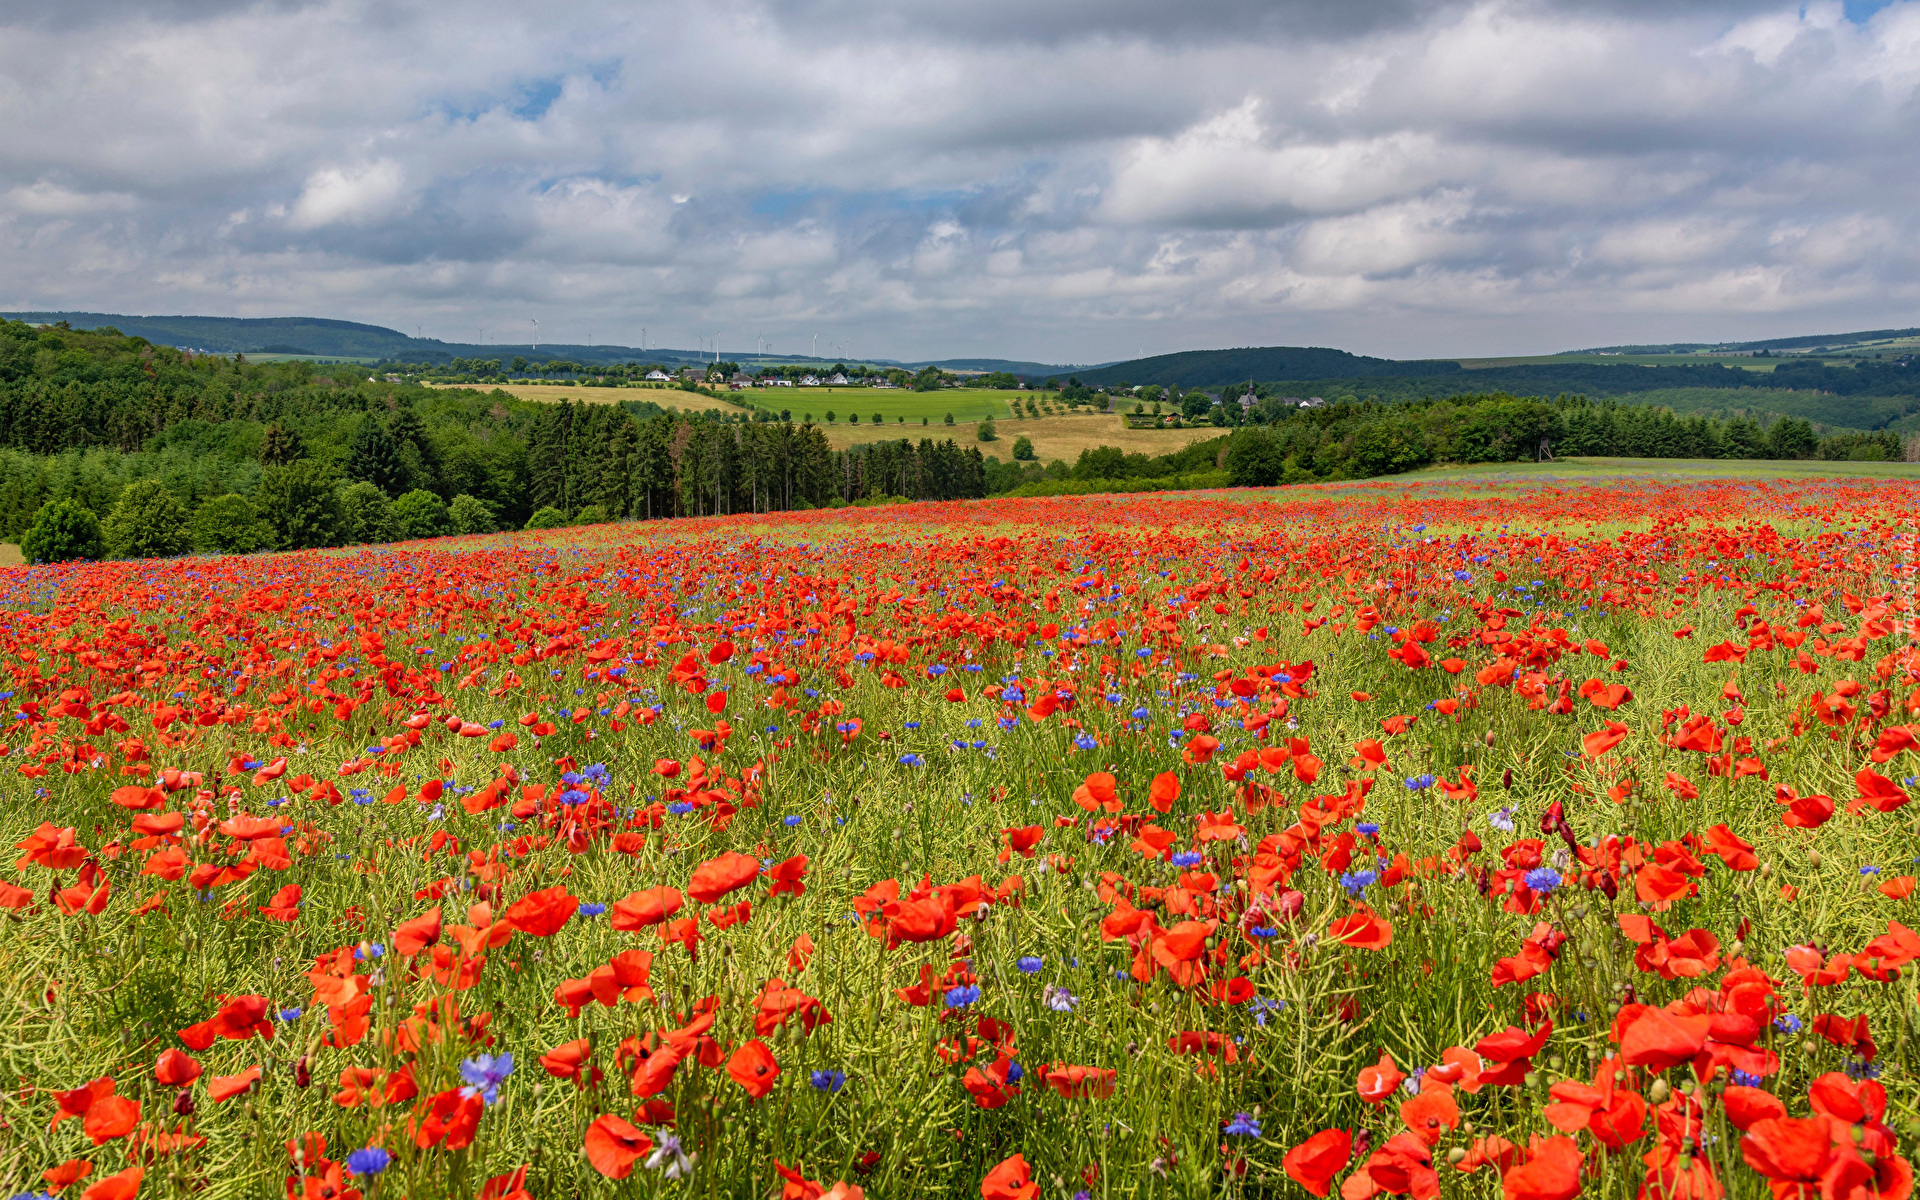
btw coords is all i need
(362, 195)
(45, 199)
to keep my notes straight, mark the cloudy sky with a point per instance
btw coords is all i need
(1069, 180)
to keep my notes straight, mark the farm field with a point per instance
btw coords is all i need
(1744, 362)
(1531, 832)
(553, 393)
(966, 404)
(1059, 437)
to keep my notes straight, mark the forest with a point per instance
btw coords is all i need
(1358, 439)
(326, 459)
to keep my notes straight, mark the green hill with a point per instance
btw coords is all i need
(1222, 368)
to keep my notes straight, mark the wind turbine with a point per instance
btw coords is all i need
(536, 333)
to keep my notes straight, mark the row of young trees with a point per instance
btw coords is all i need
(581, 464)
(691, 465)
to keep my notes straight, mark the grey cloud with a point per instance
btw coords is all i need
(1070, 180)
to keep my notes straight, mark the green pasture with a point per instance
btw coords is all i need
(1596, 469)
(896, 406)
(1745, 362)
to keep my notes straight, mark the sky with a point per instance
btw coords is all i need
(1072, 181)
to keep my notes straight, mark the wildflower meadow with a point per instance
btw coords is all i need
(1519, 840)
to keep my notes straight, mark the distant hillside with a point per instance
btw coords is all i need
(1010, 366)
(1869, 395)
(1220, 368)
(1806, 342)
(329, 339)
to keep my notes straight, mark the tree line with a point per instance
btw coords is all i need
(1358, 439)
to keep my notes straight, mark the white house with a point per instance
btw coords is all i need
(809, 381)
(658, 376)
(838, 380)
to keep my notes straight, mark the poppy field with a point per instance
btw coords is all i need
(1527, 841)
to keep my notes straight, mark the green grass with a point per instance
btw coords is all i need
(1744, 362)
(966, 404)
(1667, 468)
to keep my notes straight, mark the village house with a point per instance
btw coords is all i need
(809, 381)
(837, 380)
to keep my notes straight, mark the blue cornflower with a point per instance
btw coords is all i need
(1501, 819)
(1357, 882)
(1743, 1079)
(1030, 964)
(484, 1074)
(290, 1014)
(1420, 783)
(1366, 829)
(679, 808)
(573, 796)
(911, 760)
(1085, 740)
(1188, 858)
(790, 821)
(829, 1082)
(962, 996)
(1015, 1072)
(1543, 880)
(1061, 1000)
(1263, 931)
(368, 1161)
(1787, 1023)
(1243, 1125)
(592, 910)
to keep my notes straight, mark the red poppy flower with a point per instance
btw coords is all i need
(1377, 1082)
(175, 1069)
(417, 934)
(649, 907)
(1313, 1163)
(542, 913)
(753, 1068)
(718, 876)
(1010, 1180)
(226, 1087)
(1551, 1172)
(122, 1185)
(613, 1146)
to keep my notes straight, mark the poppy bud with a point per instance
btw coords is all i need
(1456, 1156)
(183, 1103)
(1813, 859)
(1506, 776)
(1553, 818)
(1660, 1092)
(302, 1071)
(1363, 1143)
